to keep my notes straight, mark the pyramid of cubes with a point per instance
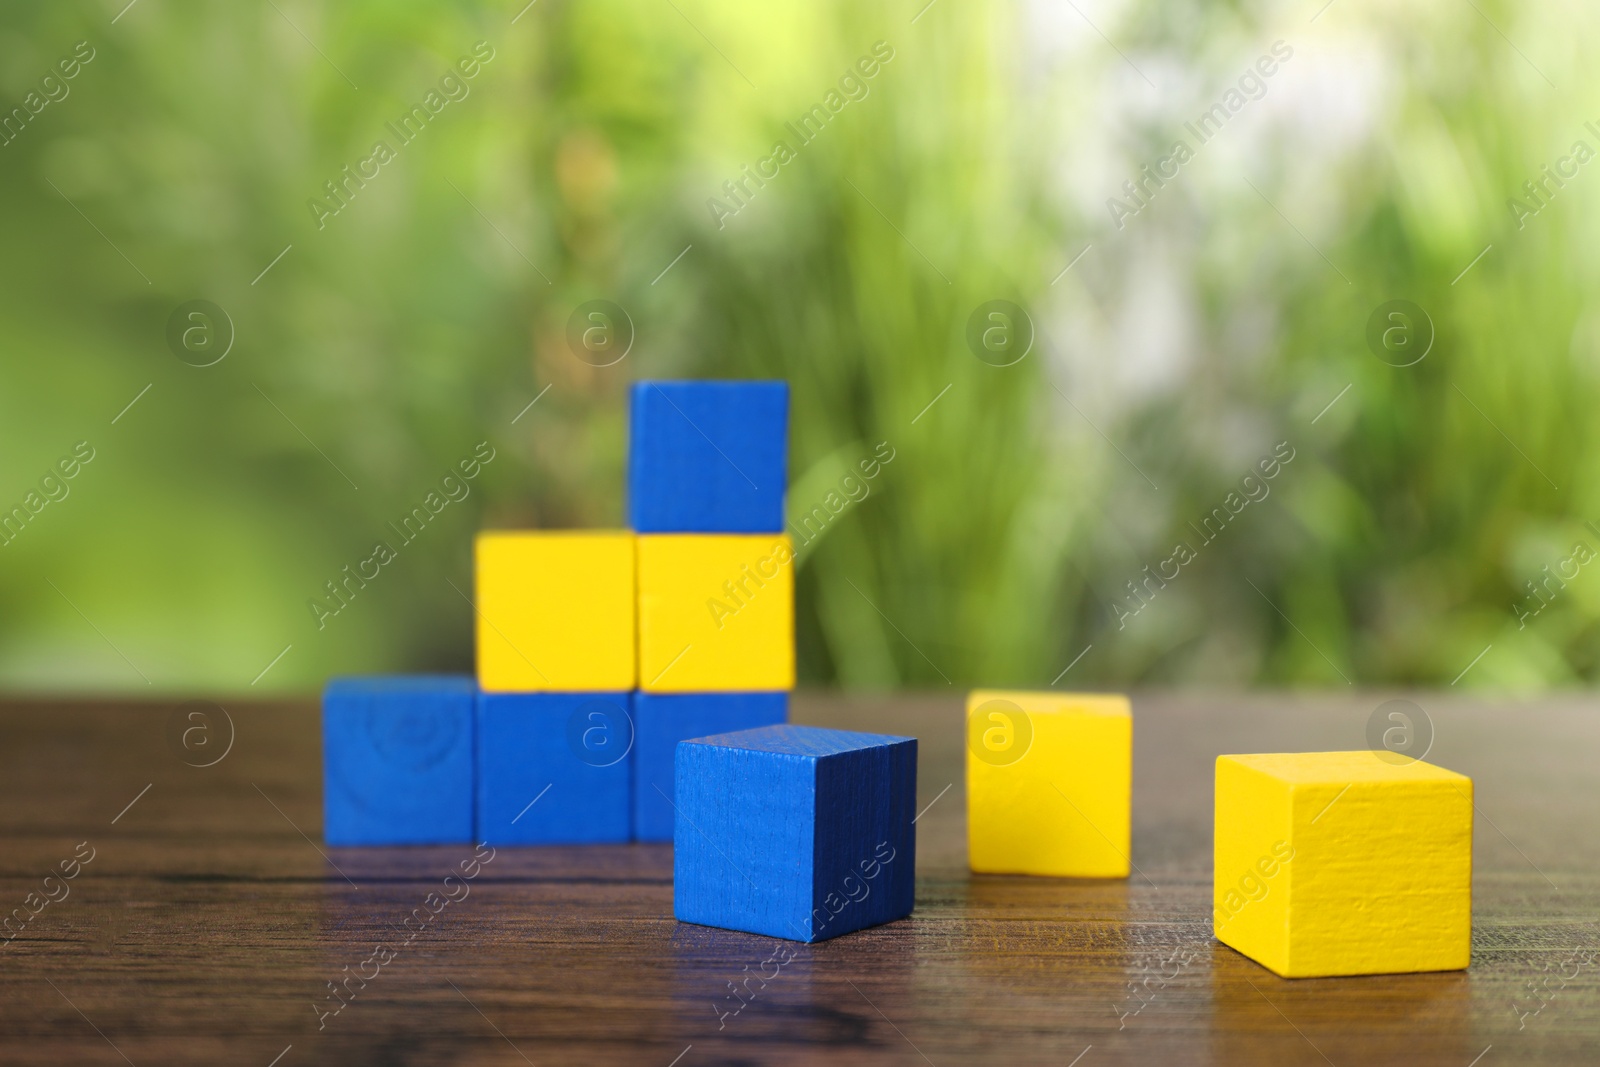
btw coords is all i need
(597, 650)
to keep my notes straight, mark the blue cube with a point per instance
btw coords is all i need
(661, 720)
(397, 760)
(707, 457)
(795, 831)
(554, 768)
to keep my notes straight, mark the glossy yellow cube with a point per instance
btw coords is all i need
(1332, 863)
(1049, 783)
(555, 611)
(716, 612)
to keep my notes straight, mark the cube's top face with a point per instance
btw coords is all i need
(409, 685)
(1050, 703)
(707, 456)
(805, 741)
(1343, 768)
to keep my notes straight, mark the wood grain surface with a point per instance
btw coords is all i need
(210, 921)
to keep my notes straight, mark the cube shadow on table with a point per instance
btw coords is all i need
(661, 720)
(707, 456)
(796, 832)
(1343, 863)
(554, 768)
(397, 757)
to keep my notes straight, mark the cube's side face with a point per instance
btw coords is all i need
(555, 612)
(716, 613)
(707, 457)
(743, 840)
(865, 841)
(554, 768)
(1063, 806)
(661, 720)
(397, 765)
(1254, 862)
(1382, 878)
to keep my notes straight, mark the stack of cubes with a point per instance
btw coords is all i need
(707, 468)
(597, 651)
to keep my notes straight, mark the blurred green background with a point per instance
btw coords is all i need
(1216, 324)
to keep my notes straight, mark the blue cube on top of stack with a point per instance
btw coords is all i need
(597, 651)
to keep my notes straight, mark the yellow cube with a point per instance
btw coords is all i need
(1330, 863)
(716, 612)
(1049, 783)
(555, 611)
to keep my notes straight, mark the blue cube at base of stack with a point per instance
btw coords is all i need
(661, 720)
(795, 831)
(707, 457)
(397, 760)
(554, 768)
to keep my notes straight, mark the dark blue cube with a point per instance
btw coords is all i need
(661, 720)
(554, 768)
(795, 831)
(397, 760)
(708, 457)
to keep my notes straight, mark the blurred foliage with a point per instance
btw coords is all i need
(998, 544)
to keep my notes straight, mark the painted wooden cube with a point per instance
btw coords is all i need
(1049, 783)
(397, 760)
(661, 720)
(554, 768)
(1340, 863)
(555, 611)
(707, 456)
(795, 832)
(716, 613)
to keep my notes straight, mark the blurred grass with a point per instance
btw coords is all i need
(996, 545)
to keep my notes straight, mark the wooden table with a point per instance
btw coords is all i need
(209, 922)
